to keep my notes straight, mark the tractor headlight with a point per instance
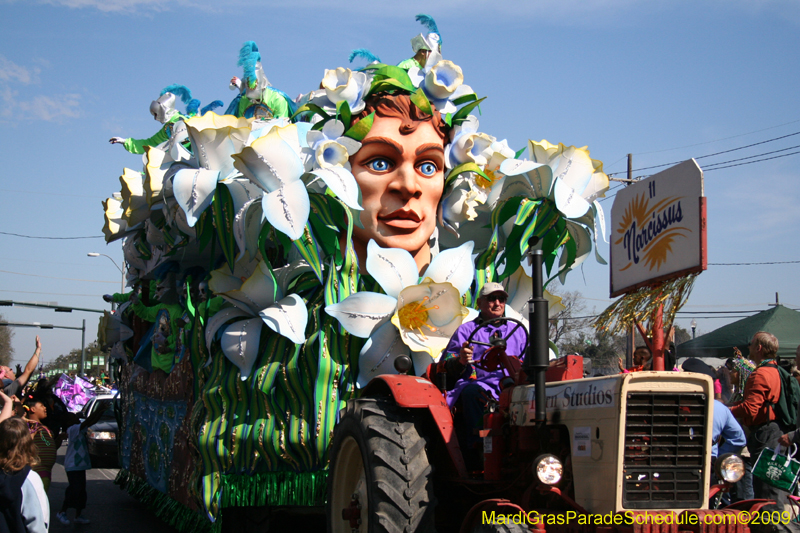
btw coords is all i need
(548, 469)
(729, 467)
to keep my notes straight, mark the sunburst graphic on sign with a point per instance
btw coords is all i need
(649, 233)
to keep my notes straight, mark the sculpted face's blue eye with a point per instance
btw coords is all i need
(378, 165)
(427, 169)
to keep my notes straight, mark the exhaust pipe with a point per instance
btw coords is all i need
(537, 358)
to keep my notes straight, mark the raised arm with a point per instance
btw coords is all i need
(32, 364)
(8, 406)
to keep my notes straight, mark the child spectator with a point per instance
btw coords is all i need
(76, 463)
(23, 503)
(46, 444)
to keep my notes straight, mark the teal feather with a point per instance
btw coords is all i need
(428, 22)
(248, 58)
(179, 90)
(364, 53)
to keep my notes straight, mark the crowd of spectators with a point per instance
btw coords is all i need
(34, 421)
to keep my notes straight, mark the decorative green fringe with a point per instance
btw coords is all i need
(173, 513)
(275, 489)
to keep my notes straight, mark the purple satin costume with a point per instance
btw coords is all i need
(489, 381)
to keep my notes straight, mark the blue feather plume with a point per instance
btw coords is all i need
(366, 54)
(212, 106)
(248, 57)
(428, 22)
(191, 107)
(179, 90)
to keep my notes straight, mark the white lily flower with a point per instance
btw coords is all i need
(419, 316)
(442, 82)
(134, 204)
(330, 147)
(272, 164)
(258, 300)
(342, 84)
(467, 145)
(216, 138)
(566, 175)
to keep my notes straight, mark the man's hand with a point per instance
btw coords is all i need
(108, 298)
(236, 83)
(785, 440)
(465, 354)
(116, 140)
(38, 344)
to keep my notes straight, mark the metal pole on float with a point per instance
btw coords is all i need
(536, 360)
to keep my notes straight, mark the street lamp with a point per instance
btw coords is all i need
(121, 269)
(693, 323)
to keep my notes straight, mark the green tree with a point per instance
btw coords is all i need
(604, 350)
(74, 356)
(565, 324)
(6, 348)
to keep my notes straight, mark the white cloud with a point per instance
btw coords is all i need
(10, 72)
(41, 107)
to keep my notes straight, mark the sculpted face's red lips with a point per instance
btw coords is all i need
(401, 219)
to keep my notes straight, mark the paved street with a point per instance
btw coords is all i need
(108, 507)
(112, 509)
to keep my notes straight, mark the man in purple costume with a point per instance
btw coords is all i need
(466, 384)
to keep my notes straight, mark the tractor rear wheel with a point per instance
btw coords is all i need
(380, 479)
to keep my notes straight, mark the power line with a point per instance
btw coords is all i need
(750, 157)
(52, 293)
(717, 153)
(751, 162)
(718, 140)
(52, 277)
(762, 263)
(50, 238)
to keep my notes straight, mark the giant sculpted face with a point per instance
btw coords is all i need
(401, 177)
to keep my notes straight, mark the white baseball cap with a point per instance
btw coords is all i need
(491, 288)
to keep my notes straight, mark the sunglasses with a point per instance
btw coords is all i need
(499, 297)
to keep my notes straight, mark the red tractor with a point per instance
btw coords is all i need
(624, 453)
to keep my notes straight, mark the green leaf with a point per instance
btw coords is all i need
(343, 110)
(448, 119)
(519, 152)
(466, 167)
(307, 246)
(462, 114)
(360, 129)
(205, 229)
(421, 101)
(319, 125)
(466, 98)
(391, 72)
(224, 214)
(375, 66)
(313, 108)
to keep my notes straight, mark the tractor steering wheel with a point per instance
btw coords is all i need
(492, 362)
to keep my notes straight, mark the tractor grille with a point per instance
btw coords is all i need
(664, 456)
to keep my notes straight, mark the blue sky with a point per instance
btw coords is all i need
(664, 81)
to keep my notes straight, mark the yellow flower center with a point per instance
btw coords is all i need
(414, 315)
(483, 182)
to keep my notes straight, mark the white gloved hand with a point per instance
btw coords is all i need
(116, 140)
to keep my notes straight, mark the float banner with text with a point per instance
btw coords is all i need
(658, 229)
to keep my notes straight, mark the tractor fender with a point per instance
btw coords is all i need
(412, 392)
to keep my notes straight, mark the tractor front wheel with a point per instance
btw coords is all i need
(380, 479)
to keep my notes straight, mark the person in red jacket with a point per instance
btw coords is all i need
(761, 392)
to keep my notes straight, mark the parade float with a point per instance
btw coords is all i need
(282, 254)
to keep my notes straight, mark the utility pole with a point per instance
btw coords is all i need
(630, 341)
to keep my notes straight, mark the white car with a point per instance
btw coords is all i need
(101, 438)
